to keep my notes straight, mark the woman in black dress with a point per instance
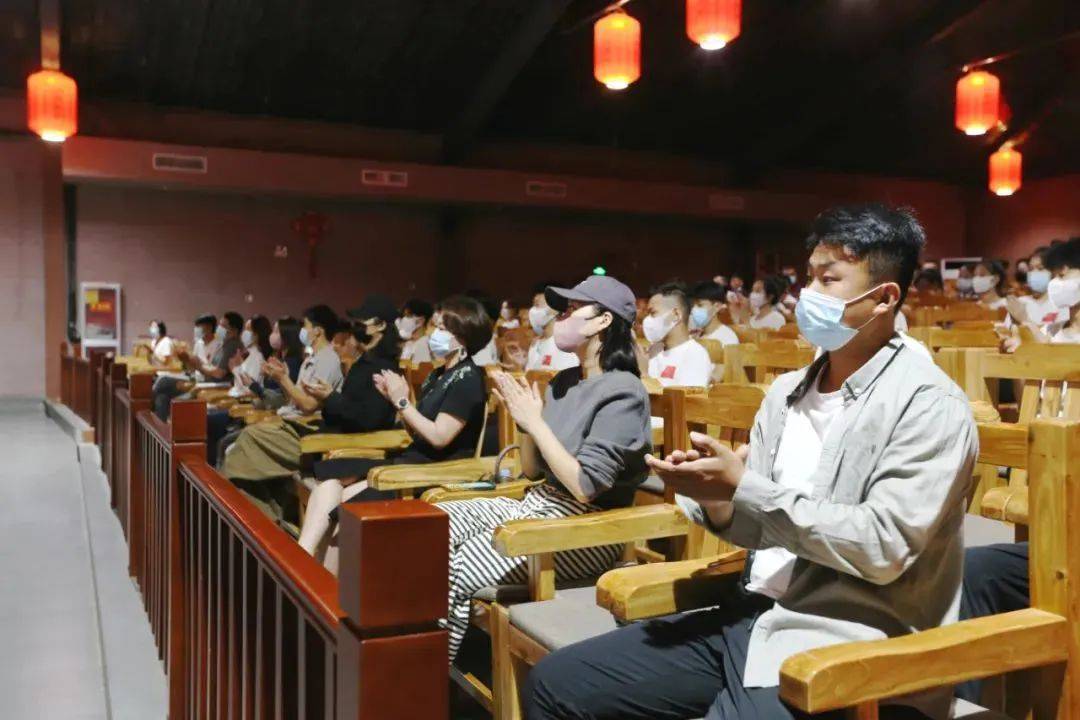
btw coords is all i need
(445, 423)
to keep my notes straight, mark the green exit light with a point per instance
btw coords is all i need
(599, 270)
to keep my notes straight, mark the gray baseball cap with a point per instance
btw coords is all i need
(600, 289)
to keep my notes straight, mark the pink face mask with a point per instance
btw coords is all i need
(275, 340)
(569, 335)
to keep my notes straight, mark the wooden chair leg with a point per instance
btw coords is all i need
(506, 670)
(864, 711)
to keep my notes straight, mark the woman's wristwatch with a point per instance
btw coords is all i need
(402, 404)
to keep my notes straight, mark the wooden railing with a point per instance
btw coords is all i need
(249, 625)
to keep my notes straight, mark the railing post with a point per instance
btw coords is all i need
(139, 390)
(390, 631)
(188, 443)
(111, 456)
(65, 374)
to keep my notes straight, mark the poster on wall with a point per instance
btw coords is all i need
(99, 315)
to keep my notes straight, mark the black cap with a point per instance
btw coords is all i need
(374, 306)
(600, 289)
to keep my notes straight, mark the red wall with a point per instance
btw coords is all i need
(940, 207)
(1011, 227)
(180, 254)
(22, 268)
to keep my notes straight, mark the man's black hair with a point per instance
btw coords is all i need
(234, 320)
(889, 239)
(322, 316)
(1064, 254)
(207, 319)
(774, 286)
(421, 308)
(677, 290)
(709, 290)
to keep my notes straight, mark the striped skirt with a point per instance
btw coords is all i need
(474, 564)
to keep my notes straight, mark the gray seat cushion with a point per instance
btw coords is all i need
(571, 617)
(979, 531)
(506, 594)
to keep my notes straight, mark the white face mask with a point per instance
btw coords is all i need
(406, 326)
(757, 300)
(154, 332)
(247, 338)
(963, 284)
(198, 334)
(982, 283)
(539, 317)
(1064, 292)
(657, 327)
(506, 314)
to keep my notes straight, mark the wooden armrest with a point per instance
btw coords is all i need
(211, 394)
(1006, 503)
(845, 675)
(364, 453)
(447, 493)
(644, 591)
(411, 477)
(534, 537)
(258, 416)
(1004, 444)
(380, 440)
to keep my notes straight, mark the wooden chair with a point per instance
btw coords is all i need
(959, 310)
(524, 633)
(765, 360)
(861, 674)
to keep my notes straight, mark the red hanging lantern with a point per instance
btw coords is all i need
(1005, 170)
(52, 105)
(712, 24)
(978, 102)
(617, 50)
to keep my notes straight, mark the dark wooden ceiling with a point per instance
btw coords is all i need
(846, 85)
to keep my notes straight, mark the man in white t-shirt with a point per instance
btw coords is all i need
(412, 327)
(543, 354)
(675, 358)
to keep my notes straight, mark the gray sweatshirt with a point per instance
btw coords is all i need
(604, 423)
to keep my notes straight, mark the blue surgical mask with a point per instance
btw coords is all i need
(304, 337)
(1038, 281)
(441, 343)
(699, 317)
(820, 319)
(247, 338)
(219, 332)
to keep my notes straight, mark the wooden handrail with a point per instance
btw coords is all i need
(314, 588)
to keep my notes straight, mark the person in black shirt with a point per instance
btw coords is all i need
(445, 424)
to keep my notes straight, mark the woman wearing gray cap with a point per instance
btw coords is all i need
(587, 438)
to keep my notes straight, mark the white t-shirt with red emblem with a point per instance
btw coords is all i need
(545, 355)
(687, 364)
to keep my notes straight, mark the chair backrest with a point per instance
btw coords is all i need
(961, 310)
(726, 412)
(715, 348)
(763, 362)
(1049, 377)
(416, 374)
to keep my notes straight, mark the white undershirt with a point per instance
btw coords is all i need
(488, 355)
(686, 364)
(544, 354)
(772, 320)
(1043, 313)
(417, 350)
(163, 349)
(807, 425)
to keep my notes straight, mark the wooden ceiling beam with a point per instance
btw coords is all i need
(536, 26)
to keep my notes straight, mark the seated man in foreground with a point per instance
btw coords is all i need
(853, 498)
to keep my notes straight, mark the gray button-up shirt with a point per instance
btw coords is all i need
(879, 541)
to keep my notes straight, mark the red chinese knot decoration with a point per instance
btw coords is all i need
(311, 226)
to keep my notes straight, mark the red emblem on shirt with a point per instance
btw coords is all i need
(669, 372)
(1050, 317)
(547, 360)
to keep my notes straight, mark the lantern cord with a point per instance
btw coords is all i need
(590, 19)
(1020, 51)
